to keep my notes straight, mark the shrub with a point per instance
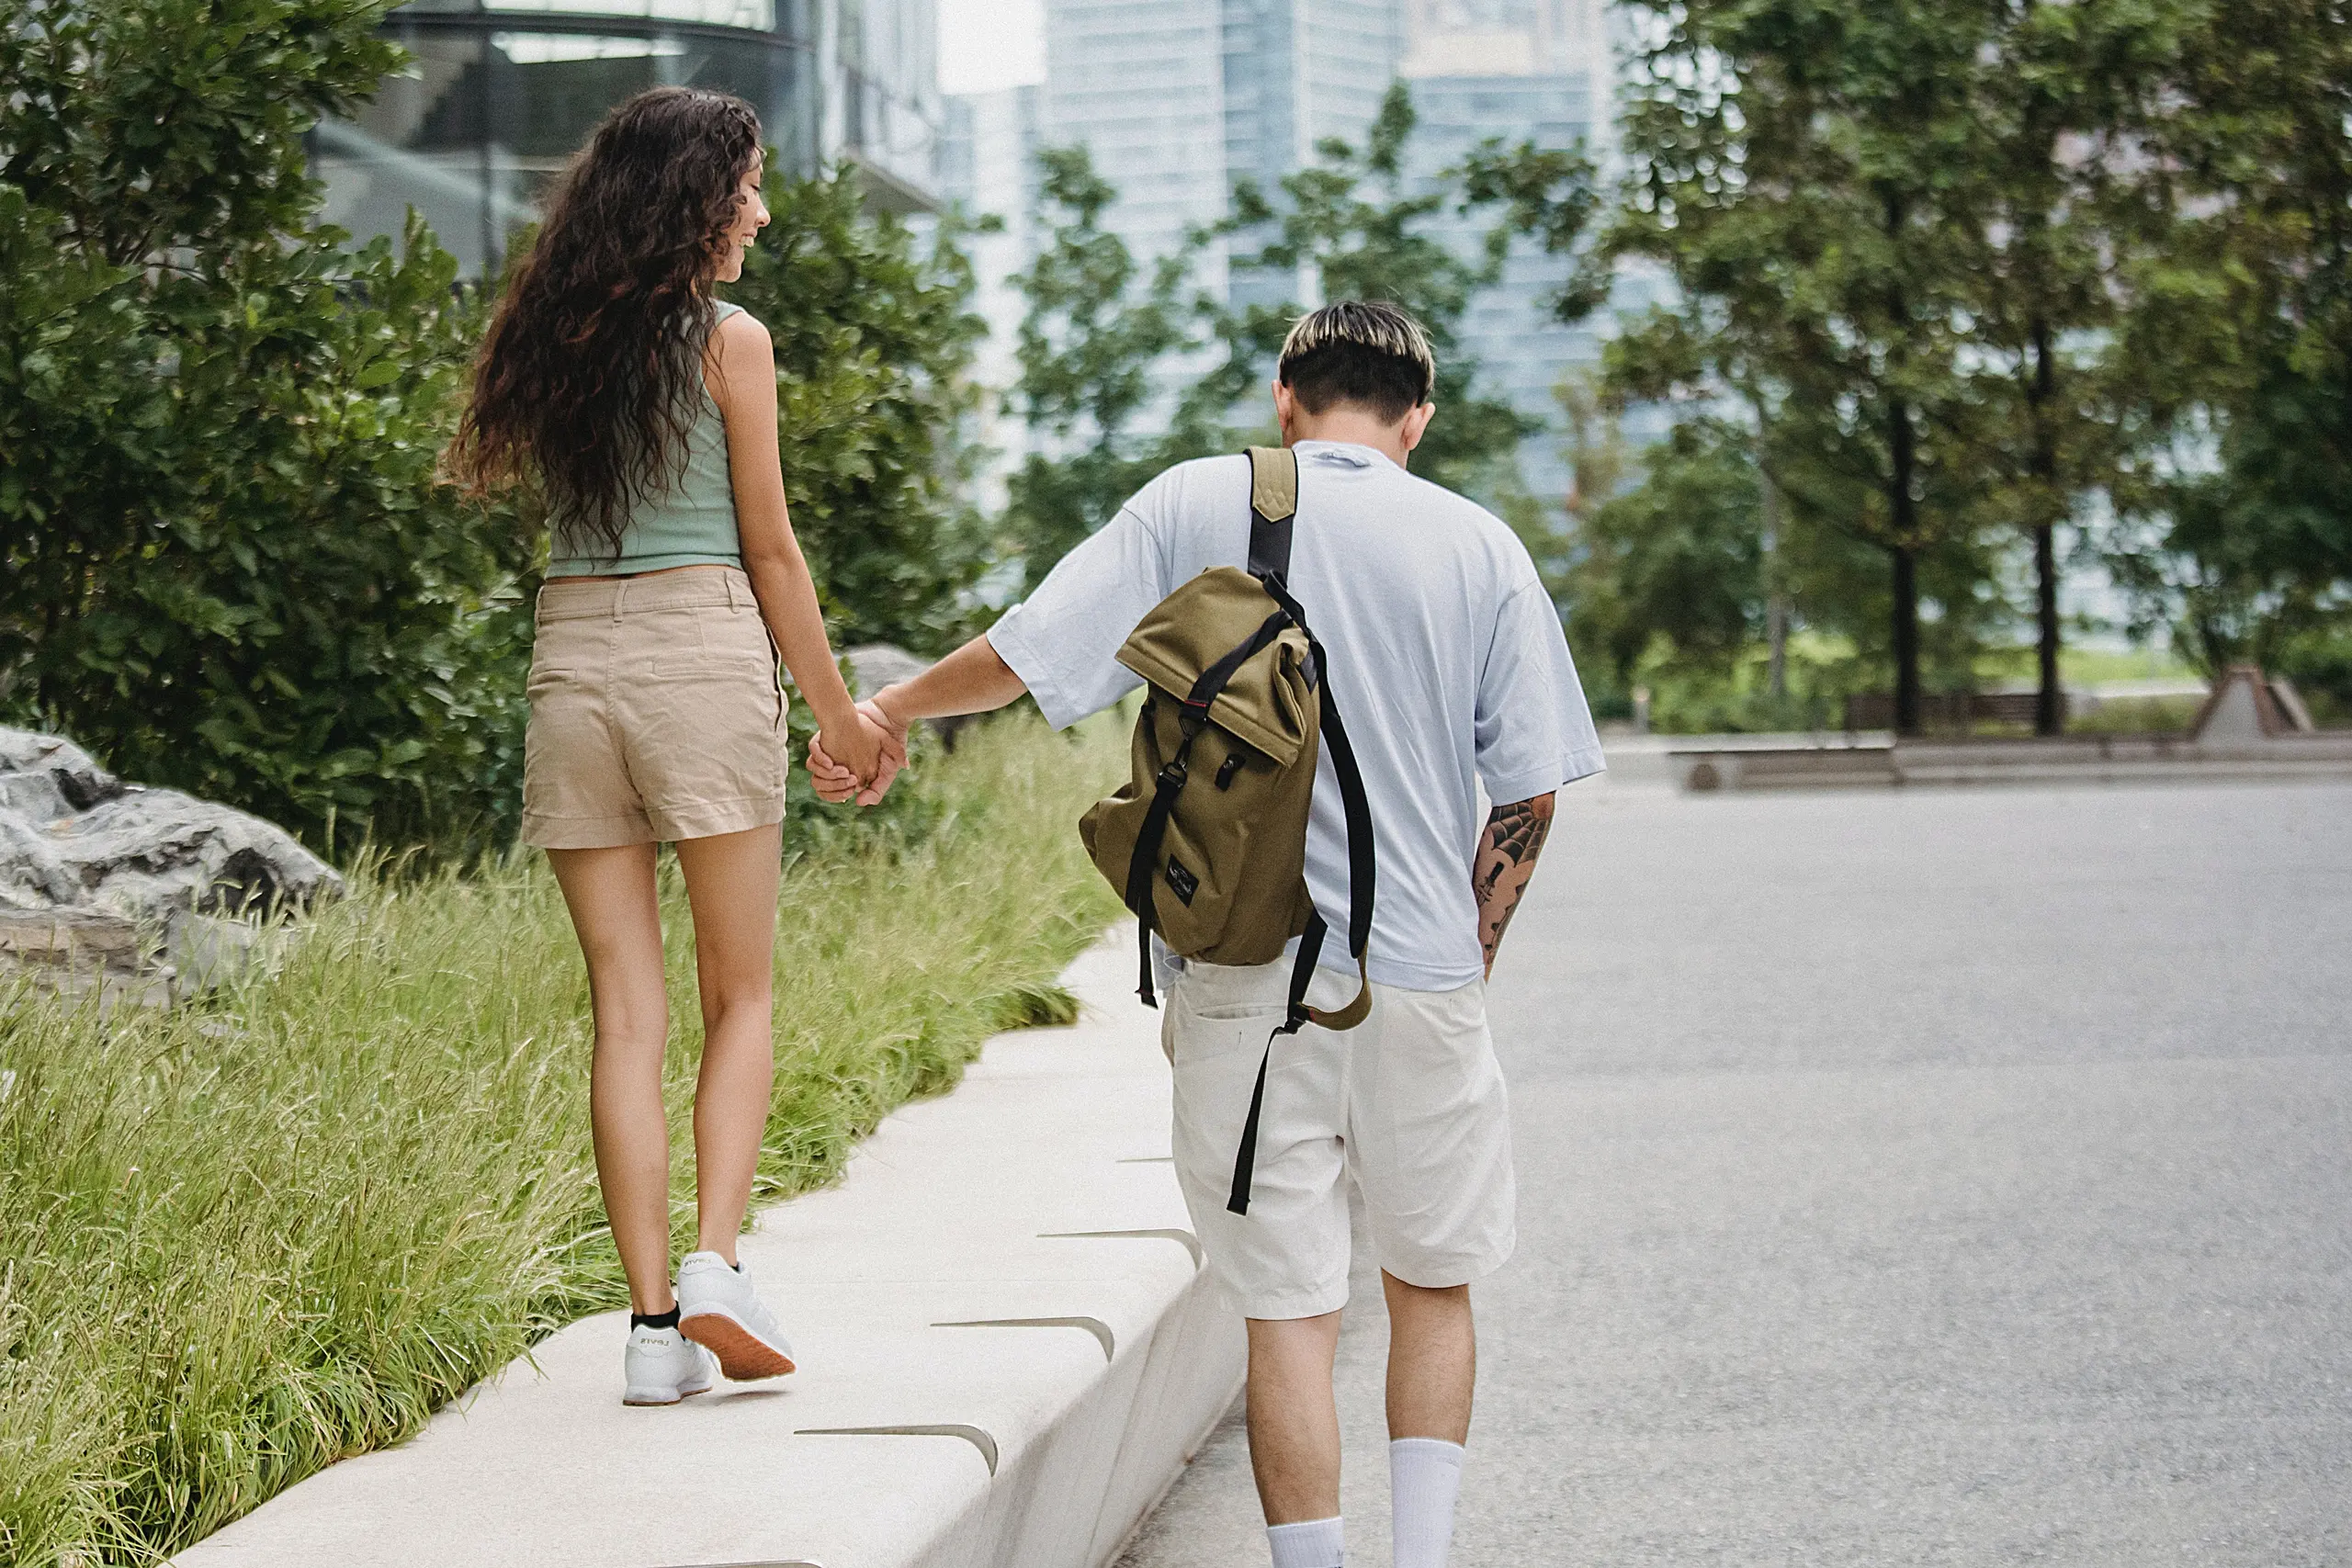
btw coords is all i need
(225, 565)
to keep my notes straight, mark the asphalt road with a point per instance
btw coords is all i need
(1916, 1176)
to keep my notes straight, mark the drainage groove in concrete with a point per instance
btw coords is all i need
(1186, 1238)
(972, 1435)
(1094, 1325)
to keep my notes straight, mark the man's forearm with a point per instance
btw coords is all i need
(973, 679)
(1506, 863)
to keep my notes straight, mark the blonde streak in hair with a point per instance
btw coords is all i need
(1384, 329)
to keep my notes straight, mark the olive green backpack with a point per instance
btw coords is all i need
(1206, 843)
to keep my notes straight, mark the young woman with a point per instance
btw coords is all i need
(643, 415)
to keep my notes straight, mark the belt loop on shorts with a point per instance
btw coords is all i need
(621, 595)
(730, 579)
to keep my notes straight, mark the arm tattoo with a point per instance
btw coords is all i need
(1505, 864)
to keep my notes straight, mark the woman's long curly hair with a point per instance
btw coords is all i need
(591, 376)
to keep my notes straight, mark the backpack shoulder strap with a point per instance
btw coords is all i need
(1273, 503)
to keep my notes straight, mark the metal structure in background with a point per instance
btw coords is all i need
(499, 93)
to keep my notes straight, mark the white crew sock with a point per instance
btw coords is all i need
(1317, 1544)
(1424, 1474)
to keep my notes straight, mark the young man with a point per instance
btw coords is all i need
(1448, 665)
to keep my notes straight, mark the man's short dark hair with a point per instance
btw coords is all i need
(1363, 351)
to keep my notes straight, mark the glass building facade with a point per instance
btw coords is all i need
(498, 94)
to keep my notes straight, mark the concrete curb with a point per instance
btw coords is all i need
(1008, 1350)
(2089, 760)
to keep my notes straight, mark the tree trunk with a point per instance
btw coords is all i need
(1776, 603)
(2048, 703)
(1906, 640)
(1903, 512)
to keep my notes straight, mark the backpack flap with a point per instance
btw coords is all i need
(1220, 612)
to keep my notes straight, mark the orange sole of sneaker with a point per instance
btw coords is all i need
(742, 1358)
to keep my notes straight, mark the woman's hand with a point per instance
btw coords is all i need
(855, 746)
(837, 780)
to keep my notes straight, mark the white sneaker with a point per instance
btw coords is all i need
(717, 1307)
(662, 1368)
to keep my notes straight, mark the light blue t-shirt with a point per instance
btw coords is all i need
(1447, 663)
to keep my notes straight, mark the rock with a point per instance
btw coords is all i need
(71, 939)
(95, 874)
(47, 776)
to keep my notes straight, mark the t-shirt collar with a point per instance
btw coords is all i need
(1349, 454)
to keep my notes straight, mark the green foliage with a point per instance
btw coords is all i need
(1675, 559)
(2237, 524)
(253, 1236)
(226, 565)
(149, 126)
(873, 337)
(1095, 330)
(1354, 221)
(1098, 329)
(1963, 274)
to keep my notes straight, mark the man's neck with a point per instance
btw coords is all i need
(1352, 425)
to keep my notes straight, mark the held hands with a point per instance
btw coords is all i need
(861, 765)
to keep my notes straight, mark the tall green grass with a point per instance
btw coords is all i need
(240, 1240)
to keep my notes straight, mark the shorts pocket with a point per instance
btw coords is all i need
(1220, 1008)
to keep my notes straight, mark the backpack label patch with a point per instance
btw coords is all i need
(1183, 881)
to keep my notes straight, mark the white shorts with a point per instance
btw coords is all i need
(1410, 1103)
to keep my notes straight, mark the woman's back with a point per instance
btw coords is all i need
(691, 523)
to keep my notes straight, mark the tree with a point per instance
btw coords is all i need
(1095, 331)
(1099, 332)
(1355, 222)
(2054, 183)
(873, 338)
(226, 564)
(1788, 173)
(1675, 560)
(2238, 526)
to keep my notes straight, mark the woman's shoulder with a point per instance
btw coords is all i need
(737, 331)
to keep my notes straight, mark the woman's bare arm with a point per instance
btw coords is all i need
(741, 377)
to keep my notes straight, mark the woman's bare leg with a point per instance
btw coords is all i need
(731, 888)
(611, 894)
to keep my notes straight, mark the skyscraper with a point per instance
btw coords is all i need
(1511, 71)
(1176, 99)
(987, 166)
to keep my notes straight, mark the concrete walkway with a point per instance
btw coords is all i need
(1941, 1178)
(1007, 1353)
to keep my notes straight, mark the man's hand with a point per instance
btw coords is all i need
(836, 782)
(1505, 865)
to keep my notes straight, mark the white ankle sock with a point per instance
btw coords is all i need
(1424, 1474)
(1317, 1544)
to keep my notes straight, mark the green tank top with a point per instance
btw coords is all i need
(694, 524)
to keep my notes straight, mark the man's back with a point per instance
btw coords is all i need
(1446, 660)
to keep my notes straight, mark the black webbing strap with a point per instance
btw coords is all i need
(1215, 679)
(1143, 864)
(1302, 970)
(1274, 499)
(1362, 860)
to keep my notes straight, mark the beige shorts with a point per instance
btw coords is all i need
(656, 714)
(1409, 1103)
